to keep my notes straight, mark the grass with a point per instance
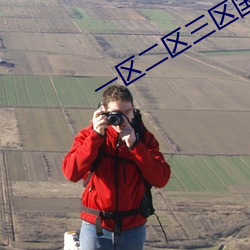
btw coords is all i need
(238, 168)
(155, 14)
(221, 171)
(10, 91)
(94, 25)
(160, 18)
(36, 94)
(2, 13)
(79, 13)
(21, 91)
(225, 52)
(63, 91)
(3, 97)
(55, 91)
(182, 172)
(165, 25)
(49, 92)
(87, 23)
(208, 173)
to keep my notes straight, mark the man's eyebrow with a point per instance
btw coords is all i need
(130, 109)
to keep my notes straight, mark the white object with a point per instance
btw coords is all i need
(71, 240)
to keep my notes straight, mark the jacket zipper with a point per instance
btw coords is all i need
(116, 177)
(124, 170)
(116, 166)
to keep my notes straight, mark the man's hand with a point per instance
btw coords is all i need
(99, 122)
(127, 133)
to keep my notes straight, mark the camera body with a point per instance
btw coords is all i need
(114, 117)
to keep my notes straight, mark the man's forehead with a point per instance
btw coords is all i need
(120, 105)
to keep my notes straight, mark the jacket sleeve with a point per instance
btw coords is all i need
(151, 161)
(84, 150)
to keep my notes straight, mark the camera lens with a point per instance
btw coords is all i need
(114, 119)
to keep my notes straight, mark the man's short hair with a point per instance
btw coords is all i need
(116, 93)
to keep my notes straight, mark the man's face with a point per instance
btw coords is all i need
(124, 107)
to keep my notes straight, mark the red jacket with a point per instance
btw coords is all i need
(101, 192)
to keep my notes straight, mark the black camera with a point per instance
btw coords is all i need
(114, 118)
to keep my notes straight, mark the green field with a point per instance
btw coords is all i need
(225, 52)
(94, 25)
(160, 18)
(208, 173)
(45, 91)
(79, 13)
(189, 173)
(87, 23)
(155, 14)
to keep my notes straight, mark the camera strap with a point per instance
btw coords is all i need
(95, 163)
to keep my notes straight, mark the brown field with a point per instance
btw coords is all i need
(238, 28)
(191, 104)
(10, 135)
(54, 44)
(223, 43)
(193, 93)
(30, 25)
(51, 54)
(125, 45)
(39, 130)
(238, 61)
(216, 132)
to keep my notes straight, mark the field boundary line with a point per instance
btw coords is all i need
(83, 91)
(232, 171)
(174, 213)
(214, 172)
(204, 110)
(5, 93)
(54, 87)
(79, 29)
(7, 207)
(65, 115)
(27, 89)
(182, 184)
(175, 148)
(42, 88)
(248, 167)
(197, 177)
(219, 68)
(69, 90)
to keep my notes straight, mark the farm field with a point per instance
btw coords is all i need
(37, 195)
(102, 20)
(9, 137)
(237, 59)
(46, 91)
(216, 132)
(160, 18)
(209, 173)
(195, 104)
(239, 28)
(126, 45)
(55, 54)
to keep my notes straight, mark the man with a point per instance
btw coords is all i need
(113, 197)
